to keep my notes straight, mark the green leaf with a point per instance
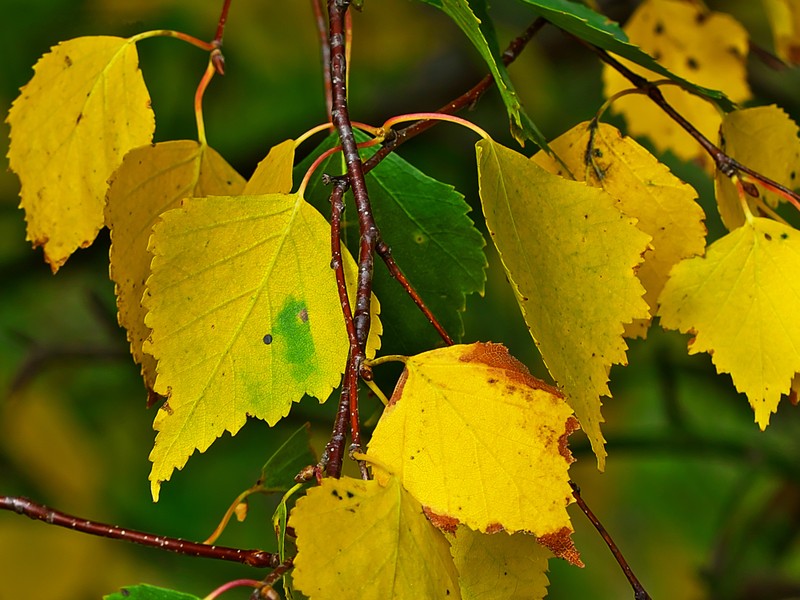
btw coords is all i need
(472, 16)
(287, 461)
(433, 241)
(581, 21)
(144, 591)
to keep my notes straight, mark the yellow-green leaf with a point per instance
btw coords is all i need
(150, 181)
(707, 48)
(474, 437)
(570, 255)
(245, 318)
(84, 108)
(763, 138)
(784, 19)
(371, 541)
(663, 205)
(741, 302)
(273, 175)
(499, 566)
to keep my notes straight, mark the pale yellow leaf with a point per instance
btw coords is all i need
(663, 205)
(763, 138)
(742, 304)
(85, 107)
(570, 254)
(273, 175)
(707, 48)
(784, 19)
(474, 437)
(499, 566)
(371, 541)
(245, 318)
(150, 181)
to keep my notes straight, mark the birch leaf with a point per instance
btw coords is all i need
(369, 540)
(784, 19)
(245, 318)
(663, 205)
(570, 255)
(763, 138)
(499, 566)
(150, 181)
(273, 175)
(741, 302)
(708, 48)
(144, 591)
(84, 108)
(475, 438)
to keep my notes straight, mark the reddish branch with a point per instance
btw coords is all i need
(325, 49)
(639, 592)
(252, 558)
(216, 54)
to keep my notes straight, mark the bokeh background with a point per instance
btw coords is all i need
(702, 504)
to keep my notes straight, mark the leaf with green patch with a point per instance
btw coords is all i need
(144, 591)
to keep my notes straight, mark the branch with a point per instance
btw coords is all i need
(639, 592)
(39, 512)
(217, 58)
(325, 50)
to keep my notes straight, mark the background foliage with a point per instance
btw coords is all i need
(701, 502)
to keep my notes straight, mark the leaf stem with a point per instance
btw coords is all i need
(435, 116)
(253, 583)
(198, 43)
(229, 513)
(40, 512)
(639, 593)
(198, 97)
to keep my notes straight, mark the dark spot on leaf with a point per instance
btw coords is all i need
(491, 380)
(692, 63)
(784, 236)
(350, 509)
(350, 494)
(701, 18)
(657, 55)
(124, 592)
(68, 61)
(303, 314)
(598, 153)
(78, 120)
(659, 28)
(767, 237)
(268, 339)
(335, 494)
(793, 175)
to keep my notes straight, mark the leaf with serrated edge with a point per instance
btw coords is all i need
(710, 48)
(583, 22)
(84, 108)
(763, 138)
(662, 204)
(245, 318)
(150, 181)
(499, 565)
(474, 437)
(144, 591)
(369, 540)
(570, 255)
(741, 301)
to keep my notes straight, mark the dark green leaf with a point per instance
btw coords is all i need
(144, 591)
(433, 241)
(287, 461)
(472, 16)
(583, 22)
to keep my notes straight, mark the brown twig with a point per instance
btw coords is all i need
(639, 593)
(724, 163)
(216, 54)
(325, 50)
(33, 510)
(271, 579)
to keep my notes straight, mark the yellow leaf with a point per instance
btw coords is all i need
(273, 175)
(371, 541)
(499, 566)
(764, 139)
(84, 108)
(707, 48)
(474, 437)
(570, 255)
(245, 318)
(663, 205)
(784, 19)
(742, 304)
(150, 181)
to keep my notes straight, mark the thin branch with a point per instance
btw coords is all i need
(271, 579)
(217, 59)
(726, 164)
(639, 592)
(33, 510)
(325, 50)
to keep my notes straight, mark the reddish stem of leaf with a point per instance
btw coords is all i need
(33, 510)
(639, 593)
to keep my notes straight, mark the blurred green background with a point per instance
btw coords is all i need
(702, 504)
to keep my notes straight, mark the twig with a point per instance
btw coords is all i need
(325, 49)
(33, 510)
(726, 164)
(216, 55)
(639, 592)
(271, 579)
